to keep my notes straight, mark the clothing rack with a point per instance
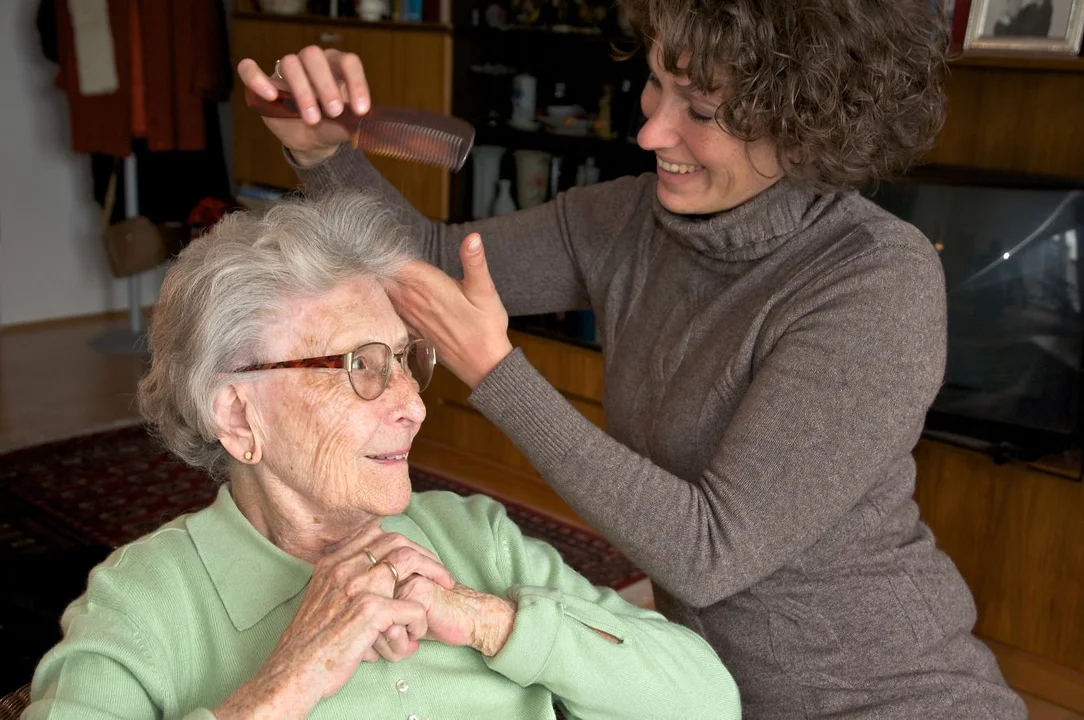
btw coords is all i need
(133, 339)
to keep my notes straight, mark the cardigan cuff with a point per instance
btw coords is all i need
(539, 615)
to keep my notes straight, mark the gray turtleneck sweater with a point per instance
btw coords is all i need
(768, 370)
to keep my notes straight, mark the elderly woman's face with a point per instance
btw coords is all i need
(340, 452)
(701, 168)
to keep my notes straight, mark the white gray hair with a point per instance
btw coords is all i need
(226, 286)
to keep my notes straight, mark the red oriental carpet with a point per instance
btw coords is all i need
(110, 488)
(64, 505)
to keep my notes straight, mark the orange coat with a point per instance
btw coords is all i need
(185, 62)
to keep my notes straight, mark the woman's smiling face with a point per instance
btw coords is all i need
(342, 454)
(702, 169)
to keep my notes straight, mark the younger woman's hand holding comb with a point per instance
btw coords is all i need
(324, 84)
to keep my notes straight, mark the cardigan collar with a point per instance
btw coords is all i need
(251, 574)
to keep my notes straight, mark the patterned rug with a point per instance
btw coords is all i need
(109, 488)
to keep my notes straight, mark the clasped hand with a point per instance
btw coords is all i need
(375, 595)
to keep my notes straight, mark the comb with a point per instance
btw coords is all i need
(402, 133)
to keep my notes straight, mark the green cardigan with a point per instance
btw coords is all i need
(171, 624)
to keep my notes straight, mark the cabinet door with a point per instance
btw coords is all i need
(404, 67)
(409, 68)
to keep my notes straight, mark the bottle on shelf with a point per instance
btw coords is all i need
(504, 203)
(588, 173)
(523, 102)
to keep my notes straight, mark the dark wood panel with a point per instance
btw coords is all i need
(1014, 120)
(391, 56)
(1017, 536)
(453, 422)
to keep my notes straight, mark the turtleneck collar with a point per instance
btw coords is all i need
(751, 230)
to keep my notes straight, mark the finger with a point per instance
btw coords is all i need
(355, 574)
(297, 80)
(408, 562)
(256, 79)
(382, 613)
(392, 547)
(389, 541)
(323, 80)
(384, 648)
(477, 284)
(357, 85)
(412, 588)
(399, 642)
(421, 288)
(370, 655)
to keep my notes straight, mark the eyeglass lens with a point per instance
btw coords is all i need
(371, 369)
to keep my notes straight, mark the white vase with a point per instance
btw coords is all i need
(486, 164)
(373, 10)
(504, 203)
(532, 177)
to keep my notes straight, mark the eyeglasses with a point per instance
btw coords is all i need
(369, 367)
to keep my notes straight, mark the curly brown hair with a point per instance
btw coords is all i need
(850, 91)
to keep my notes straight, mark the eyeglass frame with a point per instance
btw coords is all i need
(345, 360)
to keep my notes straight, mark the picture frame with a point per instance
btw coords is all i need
(1017, 26)
(957, 13)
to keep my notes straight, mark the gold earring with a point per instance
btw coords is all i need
(248, 455)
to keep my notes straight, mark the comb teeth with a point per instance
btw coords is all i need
(400, 133)
(416, 136)
(414, 143)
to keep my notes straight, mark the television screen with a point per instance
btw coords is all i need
(1012, 262)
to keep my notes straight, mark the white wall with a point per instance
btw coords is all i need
(52, 261)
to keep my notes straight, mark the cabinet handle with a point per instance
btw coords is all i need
(329, 38)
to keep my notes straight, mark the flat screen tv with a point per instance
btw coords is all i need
(1011, 250)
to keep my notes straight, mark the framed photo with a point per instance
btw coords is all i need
(1025, 26)
(957, 12)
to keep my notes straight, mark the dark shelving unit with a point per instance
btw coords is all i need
(486, 61)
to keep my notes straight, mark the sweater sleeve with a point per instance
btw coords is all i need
(538, 257)
(835, 405)
(657, 669)
(102, 670)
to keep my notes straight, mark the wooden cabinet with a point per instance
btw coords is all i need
(451, 421)
(1015, 115)
(405, 67)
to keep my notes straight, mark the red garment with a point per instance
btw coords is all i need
(139, 91)
(183, 46)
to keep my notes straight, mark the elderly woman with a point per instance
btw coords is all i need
(772, 342)
(317, 584)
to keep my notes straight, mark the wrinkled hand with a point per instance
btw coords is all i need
(324, 83)
(465, 320)
(395, 643)
(461, 615)
(347, 615)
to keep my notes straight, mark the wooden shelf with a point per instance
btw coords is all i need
(345, 22)
(1045, 63)
(542, 139)
(543, 34)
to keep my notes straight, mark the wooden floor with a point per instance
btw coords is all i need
(53, 384)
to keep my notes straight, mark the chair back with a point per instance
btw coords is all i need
(13, 704)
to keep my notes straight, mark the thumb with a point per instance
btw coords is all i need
(477, 284)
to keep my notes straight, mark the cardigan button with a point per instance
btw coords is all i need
(402, 686)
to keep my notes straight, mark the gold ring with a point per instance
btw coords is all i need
(372, 558)
(394, 572)
(277, 75)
